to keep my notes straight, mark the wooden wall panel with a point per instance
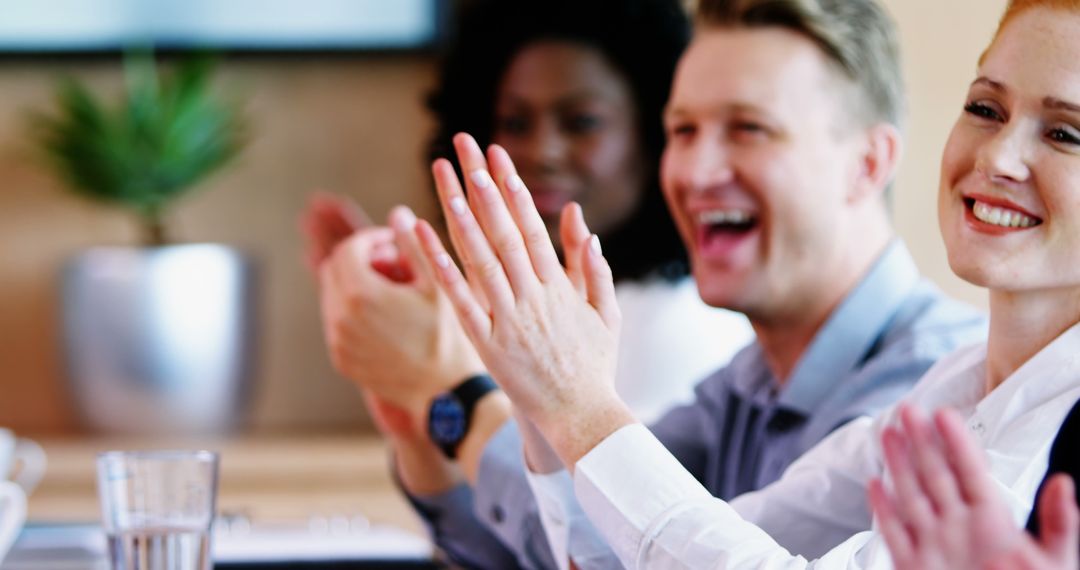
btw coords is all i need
(354, 125)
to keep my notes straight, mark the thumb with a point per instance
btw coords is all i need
(327, 221)
(403, 222)
(575, 238)
(1059, 522)
(599, 286)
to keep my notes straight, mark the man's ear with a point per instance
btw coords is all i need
(878, 162)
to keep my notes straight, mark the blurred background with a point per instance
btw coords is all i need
(333, 94)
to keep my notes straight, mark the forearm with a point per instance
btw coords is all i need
(422, 468)
(496, 518)
(490, 414)
(455, 529)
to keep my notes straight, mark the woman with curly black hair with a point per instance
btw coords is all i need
(575, 91)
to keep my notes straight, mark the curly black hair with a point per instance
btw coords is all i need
(643, 39)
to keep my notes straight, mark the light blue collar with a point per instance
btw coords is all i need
(846, 337)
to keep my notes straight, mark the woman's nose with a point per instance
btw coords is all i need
(1004, 157)
(547, 145)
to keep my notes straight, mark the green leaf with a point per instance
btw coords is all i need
(165, 136)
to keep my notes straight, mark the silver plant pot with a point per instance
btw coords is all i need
(160, 340)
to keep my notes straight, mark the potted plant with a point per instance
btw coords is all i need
(157, 337)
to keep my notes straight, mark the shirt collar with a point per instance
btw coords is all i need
(852, 329)
(1047, 380)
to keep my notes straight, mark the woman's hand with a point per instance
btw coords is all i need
(548, 337)
(944, 512)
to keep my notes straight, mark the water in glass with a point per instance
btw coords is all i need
(160, 548)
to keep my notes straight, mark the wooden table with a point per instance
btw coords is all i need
(265, 478)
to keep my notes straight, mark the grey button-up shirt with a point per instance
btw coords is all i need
(745, 426)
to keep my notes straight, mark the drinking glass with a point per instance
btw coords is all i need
(157, 508)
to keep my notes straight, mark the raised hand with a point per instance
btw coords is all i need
(944, 512)
(367, 275)
(1057, 547)
(327, 221)
(551, 348)
(400, 341)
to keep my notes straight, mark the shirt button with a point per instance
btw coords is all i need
(977, 426)
(497, 514)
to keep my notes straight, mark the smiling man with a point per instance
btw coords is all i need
(783, 136)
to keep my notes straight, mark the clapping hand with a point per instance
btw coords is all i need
(546, 333)
(387, 326)
(945, 514)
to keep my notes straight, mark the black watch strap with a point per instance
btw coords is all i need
(463, 398)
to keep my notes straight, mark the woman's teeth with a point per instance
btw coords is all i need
(1003, 217)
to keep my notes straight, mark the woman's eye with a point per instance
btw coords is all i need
(511, 125)
(982, 111)
(1064, 135)
(583, 123)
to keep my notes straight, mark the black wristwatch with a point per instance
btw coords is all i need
(451, 413)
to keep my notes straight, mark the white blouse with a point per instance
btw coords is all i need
(655, 515)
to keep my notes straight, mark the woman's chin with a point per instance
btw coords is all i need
(973, 272)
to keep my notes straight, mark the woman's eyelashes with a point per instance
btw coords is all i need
(1064, 135)
(982, 111)
(511, 124)
(573, 123)
(1060, 133)
(582, 123)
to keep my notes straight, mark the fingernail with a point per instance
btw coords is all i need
(457, 204)
(405, 220)
(480, 178)
(594, 244)
(443, 260)
(515, 183)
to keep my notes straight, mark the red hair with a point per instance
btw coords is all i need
(1017, 7)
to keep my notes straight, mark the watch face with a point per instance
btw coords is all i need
(446, 422)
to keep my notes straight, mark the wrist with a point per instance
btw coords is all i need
(491, 414)
(450, 415)
(540, 458)
(422, 469)
(579, 429)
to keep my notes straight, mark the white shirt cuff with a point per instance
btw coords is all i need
(609, 481)
(554, 494)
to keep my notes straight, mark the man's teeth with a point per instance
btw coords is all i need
(1003, 217)
(715, 217)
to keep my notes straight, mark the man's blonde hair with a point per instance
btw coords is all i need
(858, 36)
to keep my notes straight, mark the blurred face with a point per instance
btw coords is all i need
(568, 120)
(1009, 202)
(759, 168)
